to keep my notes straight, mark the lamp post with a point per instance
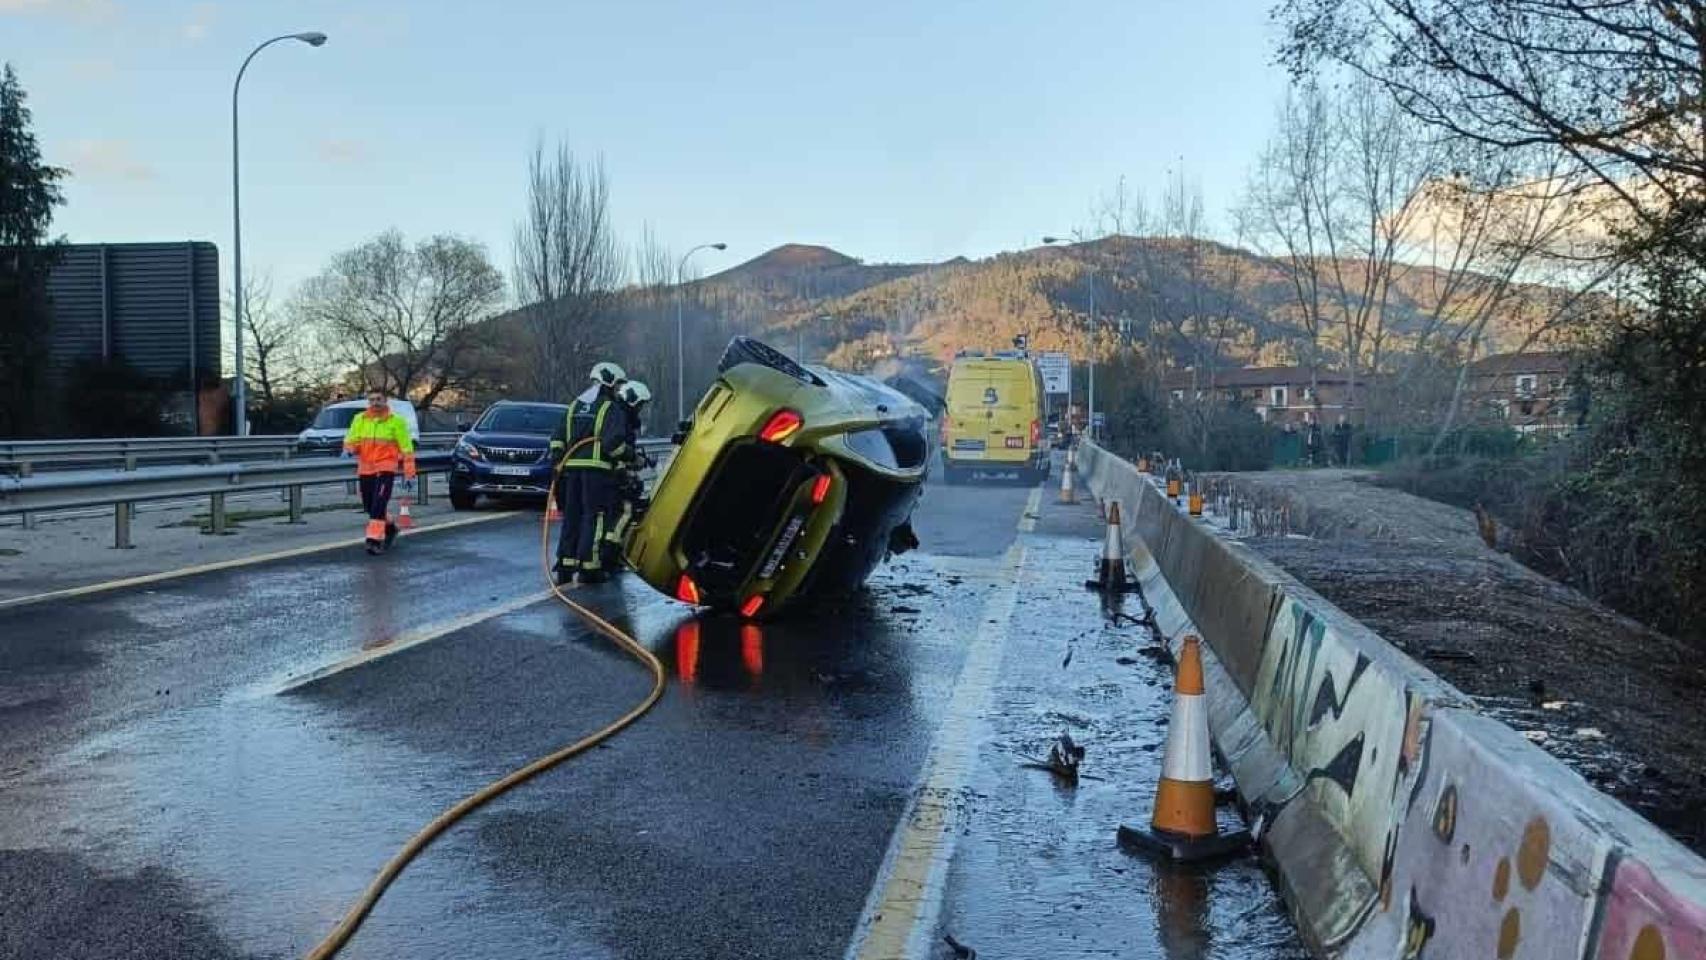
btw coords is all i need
(313, 39)
(680, 339)
(1090, 399)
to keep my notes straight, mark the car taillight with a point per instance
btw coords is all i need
(782, 425)
(752, 605)
(1036, 433)
(820, 488)
(686, 590)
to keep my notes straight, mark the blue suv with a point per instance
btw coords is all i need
(505, 453)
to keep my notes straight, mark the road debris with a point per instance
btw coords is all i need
(961, 951)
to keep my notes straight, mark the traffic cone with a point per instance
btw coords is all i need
(404, 520)
(1183, 825)
(552, 513)
(1066, 493)
(1195, 501)
(1110, 570)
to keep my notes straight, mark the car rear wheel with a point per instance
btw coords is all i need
(462, 499)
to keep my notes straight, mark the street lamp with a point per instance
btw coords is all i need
(680, 340)
(313, 39)
(1090, 400)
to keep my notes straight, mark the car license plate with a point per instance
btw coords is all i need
(968, 455)
(513, 471)
(789, 534)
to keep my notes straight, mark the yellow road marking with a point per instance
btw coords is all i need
(901, 912)
(413, 638)
(235, 562)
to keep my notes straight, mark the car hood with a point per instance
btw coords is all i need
(532, 441)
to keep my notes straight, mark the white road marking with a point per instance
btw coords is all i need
(901, 911)
(234, 563)
(413, 638)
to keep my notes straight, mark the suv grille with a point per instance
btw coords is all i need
(511, 454)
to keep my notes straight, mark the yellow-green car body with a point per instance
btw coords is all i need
(789, 482)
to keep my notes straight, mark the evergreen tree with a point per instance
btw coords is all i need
(29, 190)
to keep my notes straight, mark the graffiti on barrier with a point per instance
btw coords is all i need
(1339, 719)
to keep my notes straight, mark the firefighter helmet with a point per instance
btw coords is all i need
(607, 374)
(634, 393)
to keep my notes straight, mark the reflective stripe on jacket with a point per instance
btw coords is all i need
(593, 435)
(380, 444)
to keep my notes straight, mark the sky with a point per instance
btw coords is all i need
(889, 130)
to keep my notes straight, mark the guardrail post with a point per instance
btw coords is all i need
(29, 518)
(294, 492)
(121, 526)
(424, 498)
(216, 513)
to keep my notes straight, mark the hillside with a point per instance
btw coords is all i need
(1189, 302)
(1172, 294)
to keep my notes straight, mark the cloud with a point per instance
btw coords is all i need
(341, 151)
(107, 160)
(200, 23)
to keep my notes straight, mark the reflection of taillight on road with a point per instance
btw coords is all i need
(752, 605)
(687, 651)
(1036, 433)
(782, 425)
(820, 488)
(686, 590)
(752, 649)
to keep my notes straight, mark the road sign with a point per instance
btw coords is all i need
(1099, 419)
(1056, 369)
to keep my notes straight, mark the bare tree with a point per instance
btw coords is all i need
(654, 326)
(1617, 86)
(568, 268)
(1282, 214)
(407, 318)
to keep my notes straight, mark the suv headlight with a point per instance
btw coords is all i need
(466, 449)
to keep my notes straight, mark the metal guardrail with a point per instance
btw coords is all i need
(27, 457)
(121, 490)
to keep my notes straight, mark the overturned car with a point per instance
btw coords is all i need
(789, 483)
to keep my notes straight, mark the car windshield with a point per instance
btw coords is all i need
(521, 418)
(335, 418)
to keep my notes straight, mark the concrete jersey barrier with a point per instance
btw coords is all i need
(1401, 823)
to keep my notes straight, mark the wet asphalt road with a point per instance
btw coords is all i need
(168, 790)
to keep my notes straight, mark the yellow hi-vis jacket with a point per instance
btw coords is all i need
(380, 444)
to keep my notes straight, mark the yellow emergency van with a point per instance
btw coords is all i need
(994, 421)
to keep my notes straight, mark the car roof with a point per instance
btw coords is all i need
(529, 403)
(395, 401)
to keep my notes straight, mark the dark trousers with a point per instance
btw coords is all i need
(376, 494)
(587, 497)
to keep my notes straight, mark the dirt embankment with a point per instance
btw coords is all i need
(1615, 700)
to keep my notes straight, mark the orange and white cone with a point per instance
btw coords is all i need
(1110, 570)
(375, 532)
(552, 513)
(404, 520)
(1067, 495)
(1183, 826)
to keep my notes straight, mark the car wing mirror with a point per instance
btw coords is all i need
(464, 426)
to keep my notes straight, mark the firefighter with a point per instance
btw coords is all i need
(632, 398)
(379, 441)
(592, 438)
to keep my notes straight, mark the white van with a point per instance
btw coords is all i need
(326, 433)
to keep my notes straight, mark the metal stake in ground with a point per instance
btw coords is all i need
(1183, 825)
